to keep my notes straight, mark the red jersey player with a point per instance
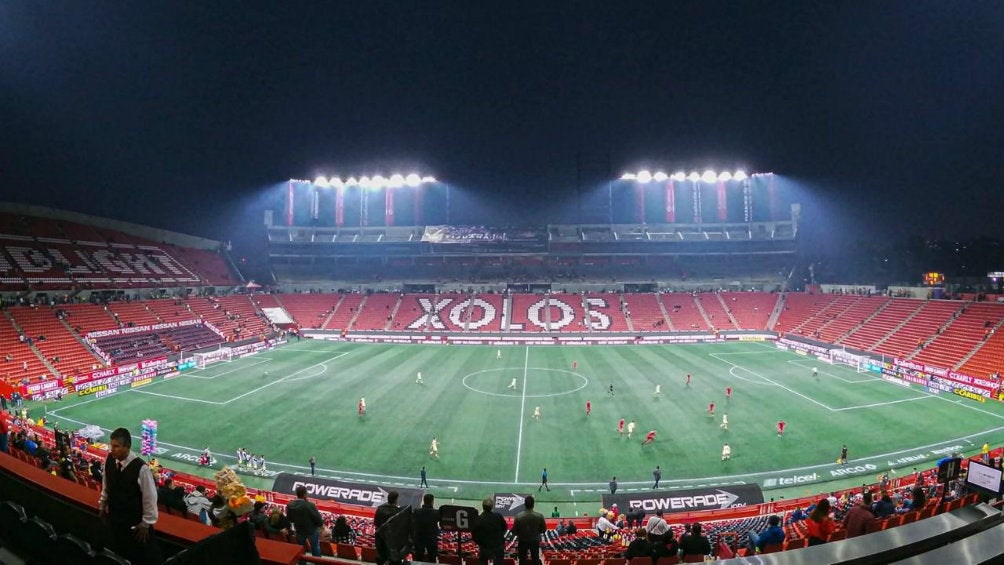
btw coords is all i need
(362, 407)
(688, 379)
(728, 393)
(620, 426)
(780, 428)
(575, 365)
(711, 409)
(649, 437)
(589, 407)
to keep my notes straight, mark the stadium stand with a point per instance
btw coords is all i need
(922, 325)
(716, 311)
(854, 315)
(751, 309)
(644, 312)
(376, 312)
(53, 340)
(348, 308)
(962, 334)
(310, 311)
(607, 306)
(989, 358)
(872, 332)
(799, 308)
(684, 312)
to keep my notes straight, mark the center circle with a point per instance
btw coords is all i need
(582, 382)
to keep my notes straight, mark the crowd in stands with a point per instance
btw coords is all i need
(611, 534)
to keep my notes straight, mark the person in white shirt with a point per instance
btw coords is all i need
(726, 452)
(129, 501)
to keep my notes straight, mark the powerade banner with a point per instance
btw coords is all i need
(345, 492)
(509, 503)
(688, 500)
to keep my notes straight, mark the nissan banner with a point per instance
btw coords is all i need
(687, 500)
(360, 494)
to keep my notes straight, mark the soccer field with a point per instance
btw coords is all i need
(300, 400)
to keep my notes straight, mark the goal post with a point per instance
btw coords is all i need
(209, 357)
(861, 363)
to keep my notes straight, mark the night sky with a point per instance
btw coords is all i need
(888, 116)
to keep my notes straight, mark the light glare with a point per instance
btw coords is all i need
(413, 180)
(709, 176)
(644, 176)
(321, 181)
(628, 176)
(660, 176)
(724, 176)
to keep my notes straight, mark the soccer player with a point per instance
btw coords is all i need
(843, 455)
(418, 379)
(536, 413)
(498, 354)
(589, 407)
(620, 426)
(815, 372)
(725, 422)
(649, 437)
(726, 452)
(575, 365)
(362, 407)
(688, 379)
(780, 428)
(434, 448)
(512, 383)
(631, 426)
(264, 467)
(711, 409)
(728, 393)
(658, 390)
(610, 391)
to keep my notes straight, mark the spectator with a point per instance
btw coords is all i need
(198, 503)
(772, 535)
(342, 532)
(884, 507)
(258, 517)
(695, 543)
(528, 527)
(605, 529)
(667, 547)
(819, 525)
(639, 546)
(857, 518)
(393, 531)
(167, 496)
(489, 532)
(307, 521)
(426, 530)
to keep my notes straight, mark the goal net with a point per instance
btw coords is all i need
(842, 357)
(210, 357)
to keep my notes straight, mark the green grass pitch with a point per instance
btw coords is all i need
(300, 400)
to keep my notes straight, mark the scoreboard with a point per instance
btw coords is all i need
(934, 279)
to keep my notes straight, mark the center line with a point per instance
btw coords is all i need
(522, 414)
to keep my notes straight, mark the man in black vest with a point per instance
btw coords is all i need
(129, 502)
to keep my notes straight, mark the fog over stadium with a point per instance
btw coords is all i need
(886, 117)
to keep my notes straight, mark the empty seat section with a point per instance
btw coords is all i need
(895, 313)
(566, 313)
(751, 309)
(485, 314)
(645, 313)
(309, 311)
(800, 308)
(962, 335)
(856, 313)
(682, 310)
(376, 312)
(59, 342)
(715, 310)
(921, 326)
(346, 310)
(521, 305)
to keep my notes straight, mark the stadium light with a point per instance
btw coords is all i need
(644, 177)
(679, 176)
(413, 180)
(428, 180)
(378, 182)
(660, 177)
(709, 176)
(724, 176)
(365, 182)
(628, 176)
(396, 181)
(336, 182)
(321, 181)
(740, 175)
(351, 181)
(694, 177)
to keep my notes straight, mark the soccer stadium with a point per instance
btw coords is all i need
(671, 363)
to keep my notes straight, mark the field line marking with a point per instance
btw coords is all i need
(881, 403)
(522, 412)
(277, 381)
(229, 371)
(775, 383)
(171, 396)
(868, 379)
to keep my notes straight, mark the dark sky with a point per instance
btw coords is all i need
(889, 115)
